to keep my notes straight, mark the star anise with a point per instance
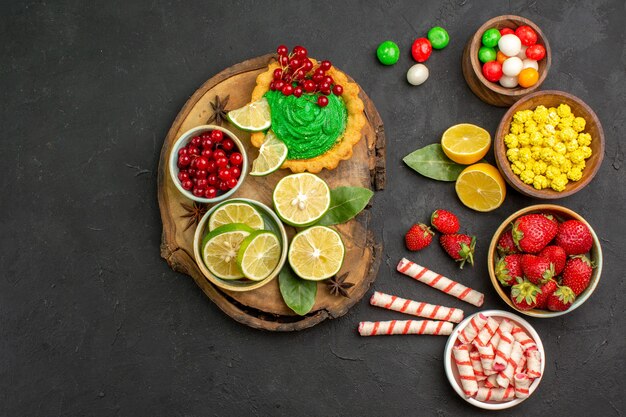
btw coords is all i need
(219, 110)
(337, 285)
(194, 213)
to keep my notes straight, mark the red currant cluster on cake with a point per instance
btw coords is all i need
(209, 163)
(297, 75)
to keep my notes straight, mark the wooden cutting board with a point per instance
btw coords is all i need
(264, 308)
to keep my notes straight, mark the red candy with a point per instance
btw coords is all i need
(506, 31)
(536, 52)
(492, 71)
(527, 35)
(421, 49)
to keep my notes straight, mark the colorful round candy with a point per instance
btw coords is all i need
(522, 52)
(506, 31)
(512, 66)
(486, 54)
(510, 45)
(500, 57)
(526, 34)
(492, 71)
(421, 49)
(530, 63)
(508, 82)
(528, 77)
(491, 37)
(417, 74)
(536, 52)
(438, 37)
(388, 53)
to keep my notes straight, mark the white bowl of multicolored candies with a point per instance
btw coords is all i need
(494, 359)
(208, 164)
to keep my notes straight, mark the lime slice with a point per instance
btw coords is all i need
(316, 253)
(236, 212)
(301, 199)
(253, 116)
(272, 154)
(259, 255)
(220, 248)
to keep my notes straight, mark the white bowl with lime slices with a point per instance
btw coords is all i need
(240, 245)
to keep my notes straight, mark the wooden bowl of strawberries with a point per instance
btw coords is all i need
(545, 260)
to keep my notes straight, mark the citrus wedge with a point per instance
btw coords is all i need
(272, 154)
(236, 212)
(465, 143)
(301, 199)
(220, 248)
(252, 117)
(259, 255)
(481, 187)
(316, 253)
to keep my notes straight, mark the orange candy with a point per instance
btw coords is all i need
(528, 77)
(500, 57)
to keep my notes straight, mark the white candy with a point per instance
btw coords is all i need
(512, 67)
(522, 52)
(510, 45)
(508, 82)
(530, 63)
(417, 74)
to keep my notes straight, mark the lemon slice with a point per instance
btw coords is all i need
(301, 199)
(481, 187)
(316, 253)
(465, 143)
(252, 117)
(220, 248)
(236, 212)
(259, 255)
(272, 154)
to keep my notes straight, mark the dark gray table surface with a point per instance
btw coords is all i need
(94, 322)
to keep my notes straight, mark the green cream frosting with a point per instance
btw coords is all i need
(307, 129)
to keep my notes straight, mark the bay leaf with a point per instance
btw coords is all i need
(345, 203)
(299, 294)
(431, 162)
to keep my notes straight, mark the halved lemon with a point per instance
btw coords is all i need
(220, 248)
(481, 187)
(259, 255)
(252, 117)
(301, 199)
(465, 143)
(316, 253)
(236, 212)
(272, 154)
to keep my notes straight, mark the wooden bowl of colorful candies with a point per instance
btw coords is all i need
(506, 59)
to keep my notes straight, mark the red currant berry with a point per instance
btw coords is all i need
(224, 174)
(279, 85)
(272, 86)
(184, 161)
(294, 63)
(232, 183)
(196, 141)
(183, 175)
(193, 150)
(325, 65)
(307, 66)
(198, 192)
(300, 51)
(210, 192)
(207, 153)
(328, 79)
(322, 101)
(317, 78)
(207, 143)
(182, 151)
(202, 183)
(282, 50)
(299, 74)
(324, 86)
(212, 179)
(205, 135)
(284, 60)
(319, 71)
(228, 145)
(287, 90)
(223, 186)
(211, 167)
(221, 162)
(236, 158)
(201, 162)
(337, 90)
(187, 184)
(219, 153)
(192, 172)
(235, 172)
(201, 173)
(325, 91)
(297, 92)
(278, 74)
(309, 86)
(217, 136)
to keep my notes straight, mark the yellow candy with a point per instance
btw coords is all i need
(540, 115)
(540, 167)
(517, 128)
(523, 139)
(540, 182)
(574, 174)
(577, 156)
(524, 154)
(584, 139)
(552, 172)
(560, 148)
(564, 110)
(510, 141)
(512, 154)
(579, 124)
(535, 152)
(587, 152)
(572, 145)
(559, 183)
(527, 176)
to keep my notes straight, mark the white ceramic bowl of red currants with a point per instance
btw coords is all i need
(208, 164)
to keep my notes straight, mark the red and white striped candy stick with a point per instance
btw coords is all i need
(477, 365)
(533, 364)
(466, 371)
(491, 381)
(522, 385)
(469, 332)
(440, 282)
(487, 332)
(486, 358)
(506, 377)
(416, 308)
(521, 336)
(378, 328)
(495, 394)
(521, 365)
(503, 352)
(505, 326)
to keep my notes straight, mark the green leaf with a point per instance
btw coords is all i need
(431, 162)
(345, 203)
(299, 294)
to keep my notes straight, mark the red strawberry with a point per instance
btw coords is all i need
(556, 255)
(508, 269)
(533, 232)
(546, 290)
(418, 237)
(575, 237)
(524, 295)
(506, 245)
(459, 247)
(537, 269)
(561, 299)
(577, 273)
(444, 221)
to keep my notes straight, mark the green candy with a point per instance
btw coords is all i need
(486, 54)
(388, 53)
(438, 37)
(491, 37)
